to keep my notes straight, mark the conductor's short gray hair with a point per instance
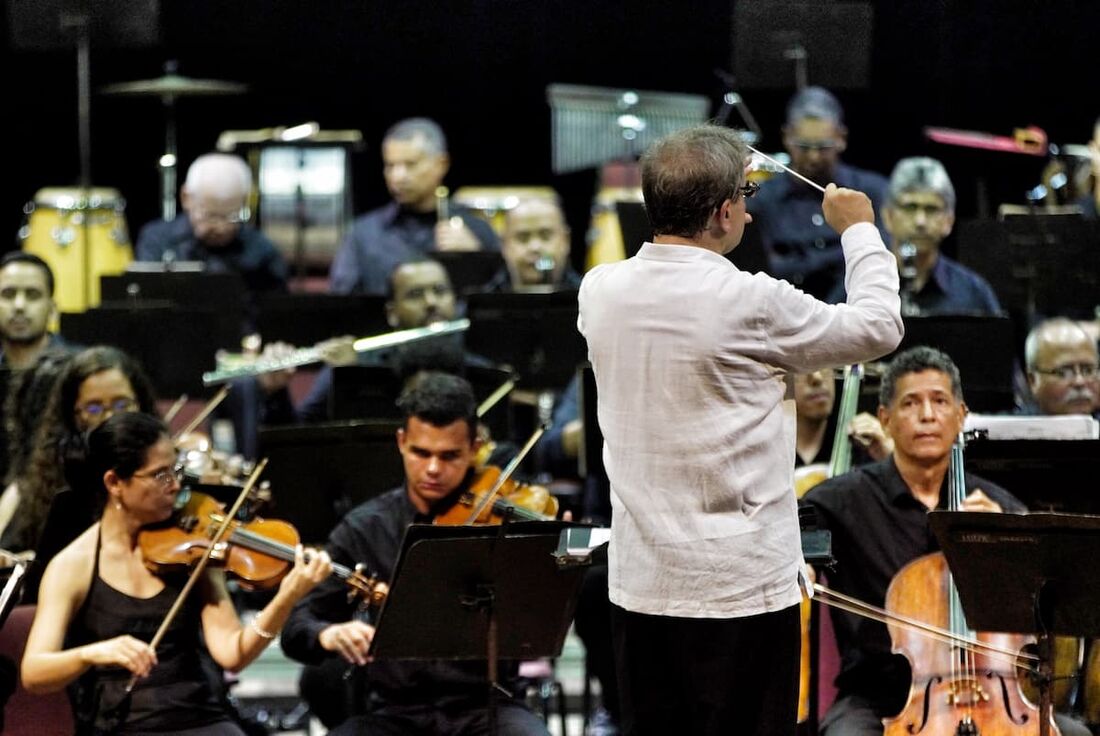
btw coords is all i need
(219, 175)
(410, 128)
(921, 174)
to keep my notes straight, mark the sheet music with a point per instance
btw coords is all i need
(1072, 427)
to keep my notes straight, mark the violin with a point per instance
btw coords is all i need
(258, 553)
(955, 691)
(510, 500)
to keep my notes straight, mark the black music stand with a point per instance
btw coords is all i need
(469, 270)
(985, 364)
(478, 592)
(307, 319)
(1025, 573)
(534, 333)
(1044, 474)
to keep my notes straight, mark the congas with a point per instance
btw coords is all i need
(492, 203)
(620, 181)
(82, 235)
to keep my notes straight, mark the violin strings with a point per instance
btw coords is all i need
(829, 597)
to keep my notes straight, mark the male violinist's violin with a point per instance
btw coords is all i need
(513, 501)
(259, 553)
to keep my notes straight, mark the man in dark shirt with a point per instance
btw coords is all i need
(919, 215)
(535, 249)
(878, 516)
(415, 160)
(438, 444)
(800, 246)
(214, 229)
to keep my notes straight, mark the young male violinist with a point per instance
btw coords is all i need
(878, 516)
(437, 443)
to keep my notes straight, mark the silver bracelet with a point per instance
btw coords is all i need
(260, 632)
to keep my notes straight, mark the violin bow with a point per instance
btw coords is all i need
(501, 391)
(175, 409)
(834, 599)
(202, 415)
(505, 474)
(219, 536)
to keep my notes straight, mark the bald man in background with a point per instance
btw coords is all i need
(1062, 363)
(214, 229)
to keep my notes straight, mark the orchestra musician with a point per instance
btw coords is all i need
(919, 214)
(1090, 203)
(689, 355)
(99, 605)
(213, 227)
(535, 247)
(1061, 360)
(801, 246)
(878, 516)
(438, 443)
(96, 383)
(413, 224)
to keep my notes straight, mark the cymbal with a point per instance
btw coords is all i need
(174, 85)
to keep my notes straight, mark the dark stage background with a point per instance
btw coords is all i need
(481, 67)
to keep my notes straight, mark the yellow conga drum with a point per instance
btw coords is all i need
(81, 233)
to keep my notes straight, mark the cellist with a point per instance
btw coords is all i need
(878, 517)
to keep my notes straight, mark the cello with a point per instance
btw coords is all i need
(955, 690)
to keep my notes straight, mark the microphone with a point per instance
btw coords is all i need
(908, 273)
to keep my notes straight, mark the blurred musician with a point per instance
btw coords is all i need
(535, 249)
(801, 246)
(1061, 360)
(878, 516)
(214, 229)
(919, 215)
(419, 220)
(438, 443)
(1090, 203)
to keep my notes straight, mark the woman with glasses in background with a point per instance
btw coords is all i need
(56, 497)
(99, 605)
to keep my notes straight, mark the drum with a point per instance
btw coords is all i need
(492, 203)
(82, 235)
(605, 236)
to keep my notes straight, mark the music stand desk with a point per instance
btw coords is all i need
(1025, 573)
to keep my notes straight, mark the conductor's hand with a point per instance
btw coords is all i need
(845, 207)
(350, 640)
(122, 651)
(978, 501)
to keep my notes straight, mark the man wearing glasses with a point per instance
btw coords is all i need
(801, 246)
(214, 227)
(919, 215)
(691, 357)
(1062, 373)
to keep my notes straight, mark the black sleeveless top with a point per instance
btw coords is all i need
(176, 695)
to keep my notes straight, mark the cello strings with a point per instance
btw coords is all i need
(833, 599)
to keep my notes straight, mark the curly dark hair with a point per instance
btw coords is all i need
(915, 360)
(28, 395)
(59, 450)
(439, 399)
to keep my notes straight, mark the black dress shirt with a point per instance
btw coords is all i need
(371, 534)
(951, 288)
(878, 527)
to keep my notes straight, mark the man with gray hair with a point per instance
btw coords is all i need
(1062, 372)
(691, 357)
(418, 221)
(801, 246)
(919, 215)
(214, 229)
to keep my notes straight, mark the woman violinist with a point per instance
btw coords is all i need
(99, 605)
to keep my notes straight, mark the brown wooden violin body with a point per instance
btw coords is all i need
(259, 553)
(949, 696)
(514, 501)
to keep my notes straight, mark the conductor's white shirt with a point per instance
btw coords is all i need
(690, 356)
